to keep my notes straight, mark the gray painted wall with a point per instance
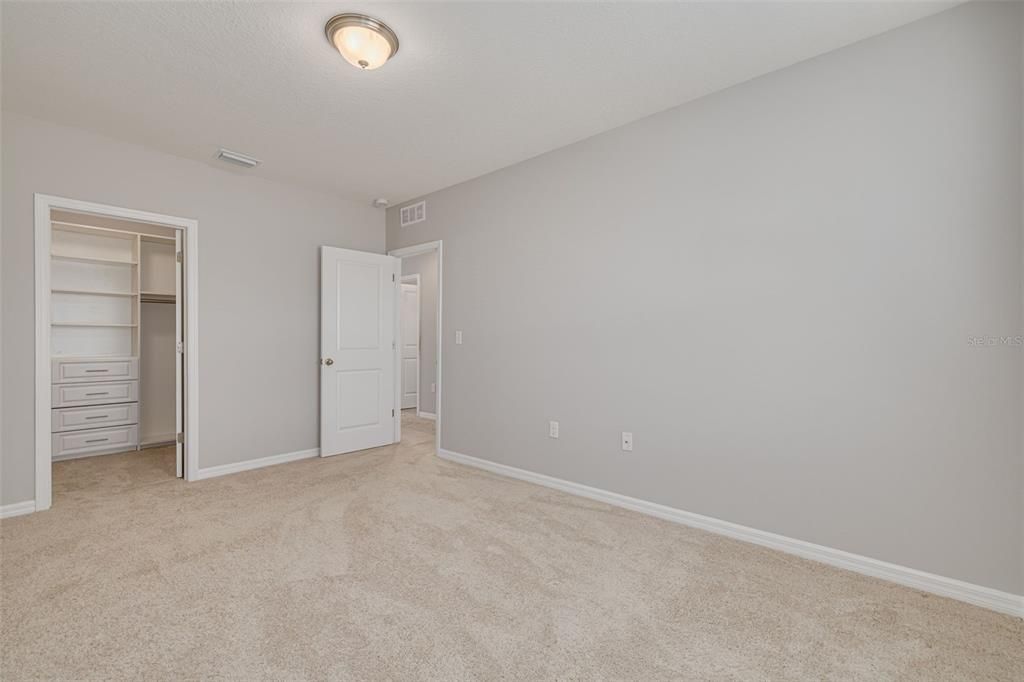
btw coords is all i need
(775, 289)
(425, 265)
(259, 273)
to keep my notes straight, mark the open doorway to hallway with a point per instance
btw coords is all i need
(416, 430)
(420, 312)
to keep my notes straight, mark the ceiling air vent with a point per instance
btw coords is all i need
(237, 159)
(416, 213)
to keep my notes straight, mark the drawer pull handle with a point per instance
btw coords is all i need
(97, 370)
(97, 440)
(100, 393)
(99, 416)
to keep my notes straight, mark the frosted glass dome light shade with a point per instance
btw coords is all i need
(364, 42)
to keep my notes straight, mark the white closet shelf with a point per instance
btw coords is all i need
(91, 324)
(85, 259)
(157, 293)
(79, 228)
(94, 292)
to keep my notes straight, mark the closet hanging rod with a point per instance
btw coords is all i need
(150, 299)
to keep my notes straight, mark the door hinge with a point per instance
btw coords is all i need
(177, 256)
(179, 346)
(181, 437)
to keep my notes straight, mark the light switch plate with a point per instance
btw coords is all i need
(458, 337)
(627, 441)
(552, 429)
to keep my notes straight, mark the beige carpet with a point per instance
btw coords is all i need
(393, 564)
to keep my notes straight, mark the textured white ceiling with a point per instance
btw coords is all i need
(474, 87)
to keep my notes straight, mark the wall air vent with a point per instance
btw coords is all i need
(237, 159)
(416, 213)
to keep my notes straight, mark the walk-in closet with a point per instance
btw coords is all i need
(115, 327)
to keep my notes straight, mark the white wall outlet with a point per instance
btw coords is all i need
(552, 429)
(627, 441)
(458, 337)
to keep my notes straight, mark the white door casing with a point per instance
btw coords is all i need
(179, 360)
(410, 341)
(358, 373)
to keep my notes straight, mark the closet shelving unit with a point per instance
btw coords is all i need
(95, 342)
(94, 299)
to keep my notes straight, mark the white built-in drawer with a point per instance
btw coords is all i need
(75, 418)
(80, 370)
(95, 441)
(73, 395)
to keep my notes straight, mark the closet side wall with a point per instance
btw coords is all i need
(156, 374)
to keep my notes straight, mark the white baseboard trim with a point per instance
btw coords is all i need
(427, 415)
(986, 597)
(249, 464)
(17, 509)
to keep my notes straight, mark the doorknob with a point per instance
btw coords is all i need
(328, 362)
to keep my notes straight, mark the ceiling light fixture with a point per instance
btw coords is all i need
(363, 41)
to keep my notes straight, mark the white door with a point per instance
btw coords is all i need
(410, 341)
(179, 359)
(358, 381)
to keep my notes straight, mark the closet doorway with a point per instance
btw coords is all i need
(115, 344)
